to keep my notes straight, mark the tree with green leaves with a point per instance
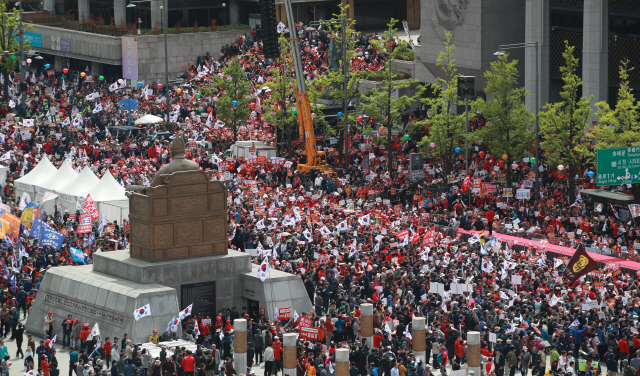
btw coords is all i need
(447, 130)
(564, 124)
(9, 30)
(279, 108)
(381, 103)
(508, 131)
(234, 88)
(331, 84)
(619, 126)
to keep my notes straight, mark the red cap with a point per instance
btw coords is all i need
(51, 313)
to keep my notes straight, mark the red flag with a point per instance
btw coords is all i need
(85, 223)
(466, 183)
(580, 264)
(91, 208)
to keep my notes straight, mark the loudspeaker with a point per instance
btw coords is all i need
(269, 24)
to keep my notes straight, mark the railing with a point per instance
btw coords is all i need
(104, 30)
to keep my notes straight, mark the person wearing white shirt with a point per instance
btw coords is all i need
(570, 369)
(562, 362)
(395, 371)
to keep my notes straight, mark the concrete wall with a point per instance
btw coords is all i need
(86, 46)
(478, 28)
(182, 49)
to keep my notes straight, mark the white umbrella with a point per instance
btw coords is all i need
(149, 119)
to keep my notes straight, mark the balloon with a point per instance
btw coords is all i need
(457, 150)
(500, 164)
(83, 74)
(406, 136)
(382, 128)
(294, 111)
(198, 95)
(234, 102)
(65, 70)
(560, 167)
(339, 114)
(505, 157)
(252, 105)
(29, 61)
(120, 81)
(47, 66)
(532, 159)
(101, 78)
(359, 119)
(482, 154)
(139, 84)
(13, 57)
(433, 145)
(159, 86)
(590, 174)
(179, 91)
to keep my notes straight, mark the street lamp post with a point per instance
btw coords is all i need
(22, 62)
(166, 62)
(536, 165)
(345, 70)
(224, 13)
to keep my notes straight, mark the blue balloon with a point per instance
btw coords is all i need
(457, 150)
(139, 84)
(339, 114)
(47, 66)
(590, 174)
(235, 103)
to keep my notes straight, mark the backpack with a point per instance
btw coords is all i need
(439, 358)
(631, 371)
(388, 360)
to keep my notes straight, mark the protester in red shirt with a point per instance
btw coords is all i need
(188, 363)
(489, 217)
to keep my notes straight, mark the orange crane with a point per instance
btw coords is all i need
(315, 159)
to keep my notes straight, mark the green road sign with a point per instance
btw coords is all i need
(618, 166)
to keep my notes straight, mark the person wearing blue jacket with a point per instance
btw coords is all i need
(576, 333)
(602, 347)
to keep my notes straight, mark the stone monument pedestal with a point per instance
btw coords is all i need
(178, 256)
(108, 292)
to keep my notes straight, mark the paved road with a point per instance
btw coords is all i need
(18, 368)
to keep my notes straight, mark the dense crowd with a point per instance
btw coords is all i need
(362, 235)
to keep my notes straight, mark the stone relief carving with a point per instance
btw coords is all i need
(447, 15)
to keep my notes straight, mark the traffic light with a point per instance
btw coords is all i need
(269, 24)
(466, 87)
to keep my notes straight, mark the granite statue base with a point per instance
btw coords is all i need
(116, 284)
(96, 297)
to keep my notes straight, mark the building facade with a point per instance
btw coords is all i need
(604, 33)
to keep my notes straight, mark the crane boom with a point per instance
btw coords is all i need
(315, 159)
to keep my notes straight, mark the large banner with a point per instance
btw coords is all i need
(130, 58)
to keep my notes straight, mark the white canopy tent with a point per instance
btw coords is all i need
(3, 176)
(116, 210)
(41, 173)
(62, 177)
(110, 199)
(78, 188)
